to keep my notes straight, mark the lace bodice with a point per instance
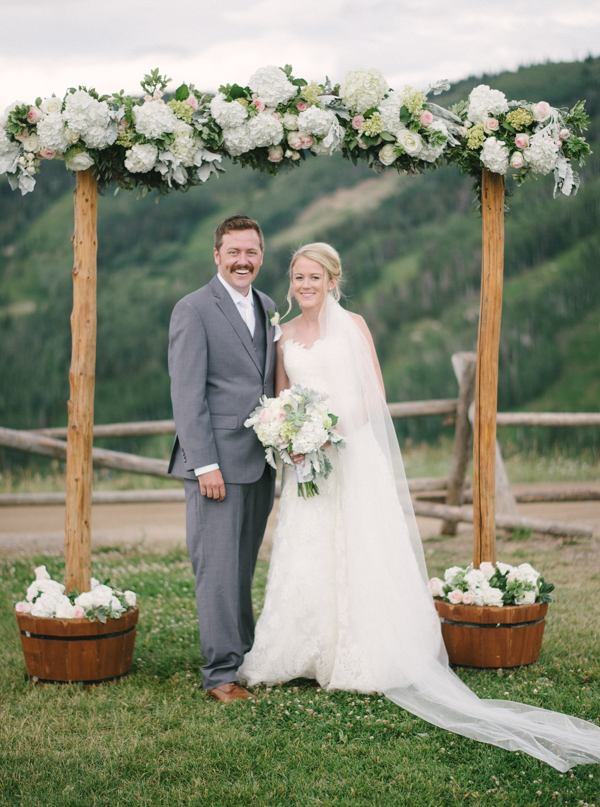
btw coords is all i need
(306, 366)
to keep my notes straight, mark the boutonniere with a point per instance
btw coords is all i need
(273, 317)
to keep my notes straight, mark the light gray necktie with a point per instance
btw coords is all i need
(245, 308)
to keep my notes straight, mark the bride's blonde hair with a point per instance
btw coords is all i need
(327, 257)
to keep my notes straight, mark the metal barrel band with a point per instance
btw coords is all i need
(93, 637)
(490, 625)
(37, 680)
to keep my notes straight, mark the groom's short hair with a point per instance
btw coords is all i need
(238, 223)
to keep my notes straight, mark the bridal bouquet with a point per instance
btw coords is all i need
(46, 597)
(502, 584)
(297, 422)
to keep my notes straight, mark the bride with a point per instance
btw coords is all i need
(347, 600)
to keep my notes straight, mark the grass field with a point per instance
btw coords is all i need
(155, 739)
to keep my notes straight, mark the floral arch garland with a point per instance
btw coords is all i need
(276, 121)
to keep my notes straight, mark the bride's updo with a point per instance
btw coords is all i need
(327, 257)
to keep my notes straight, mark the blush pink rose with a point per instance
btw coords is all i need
(22, 136)
(280, 416)
(487, 568)
(266, 416)
(79, 612)
(426, 118)
(436, 586)
(47, 154)
(541, 111)
(564, 134)
(468, 598)
(522, 141)
(301, 105)
(511, 577)
(455, 597)
(147, 97)
(259, 104)
(34, 114)
(491, 125)
(517, 160)
(358, 121)
(23, 607)
(275, 154)
(192, 101)
(307, 141)
(362, 143)
(295, 140)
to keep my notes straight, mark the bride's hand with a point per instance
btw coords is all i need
(297, 459)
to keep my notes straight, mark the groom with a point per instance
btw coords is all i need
(221, 360)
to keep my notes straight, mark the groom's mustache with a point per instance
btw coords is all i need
(237, 266)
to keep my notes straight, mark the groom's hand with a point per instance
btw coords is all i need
(212, 485)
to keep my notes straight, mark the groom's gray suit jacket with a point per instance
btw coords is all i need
(217, 378)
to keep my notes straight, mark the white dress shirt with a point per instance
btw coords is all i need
(245, 305)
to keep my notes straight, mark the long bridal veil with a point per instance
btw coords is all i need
(392, 615)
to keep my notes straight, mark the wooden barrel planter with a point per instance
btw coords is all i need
(68, 650)
(488, 636)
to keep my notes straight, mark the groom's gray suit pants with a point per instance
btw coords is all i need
(223, 540)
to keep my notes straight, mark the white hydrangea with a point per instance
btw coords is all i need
(83, 113)
(431, 153)
(450, 573)
(265, 130)
(389, 109)
(130, 597)
(140, 159)
(64, 608)
(272, 85)
(100, 137)
(238, 140)
(85, 600)
(185, 146)
(316, 121)
(542, 154)
(475, 578)
(311, 436)
(45, 605)
(102, 595)
(494, 155)
(362, 89)
(53, 132)
(227, 114)
(154, 119)
(44, 586)
(485, 103)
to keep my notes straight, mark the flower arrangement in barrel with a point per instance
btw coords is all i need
(276, 120)
(497, 585)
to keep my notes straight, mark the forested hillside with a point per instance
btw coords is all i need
(411, 248)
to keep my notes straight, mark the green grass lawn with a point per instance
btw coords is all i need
(155, 739)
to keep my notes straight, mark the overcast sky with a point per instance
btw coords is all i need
(49, 45)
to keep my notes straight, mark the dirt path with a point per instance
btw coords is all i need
(40, 530)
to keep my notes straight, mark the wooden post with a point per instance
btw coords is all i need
(464, 369)
(486, 388)
(78, 555)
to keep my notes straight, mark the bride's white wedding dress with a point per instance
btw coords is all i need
(347, 600)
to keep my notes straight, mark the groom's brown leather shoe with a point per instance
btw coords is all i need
(230, 692)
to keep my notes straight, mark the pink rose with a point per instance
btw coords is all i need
(307, 141)
(46, 154)
(266, 416)
(275, 154)
(468, 598)
(301, 105)
(426, 118)
(541, 111)
(358, 121)
(22, 136)
(487, 568)
(564, 134)
(362, 143)
(522, 141)
(455, 597)
(79, 612)
(517, 160)
(436, 586)
(281, 416)
(147, 97)
(259, 104)
(23, 607)
(34, 115)
(491, 125)
(192, 101)
(295, 140)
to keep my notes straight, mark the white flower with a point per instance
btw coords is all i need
(45, 605)
(450, 573)
(316, 121)
(494, 155)
(362, 89)
(265, 130)
(116, 608)
(130, 597)
(41, 573)
(140, 159)
(44, 586)
(492, 596)
(94, 583)
(51, 105)
(487, 569)
(504, 567)
(102, 595)
(227, 114)
(85, 600)
(455, 597)
(64, 609)
(100, 137)
(542, 154)
(387, 155)
(290, 121)
(9, 153)
(185, 146)
(527, 598)
(31, 143)
(82, 112)
(431, 153)
(80, 162)
(389, 109)
(238, 140)
(154, 119)
(484, 102)
(53, 133)
(411, 142)
(272, 86)
(436, 586)
(475, 578)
